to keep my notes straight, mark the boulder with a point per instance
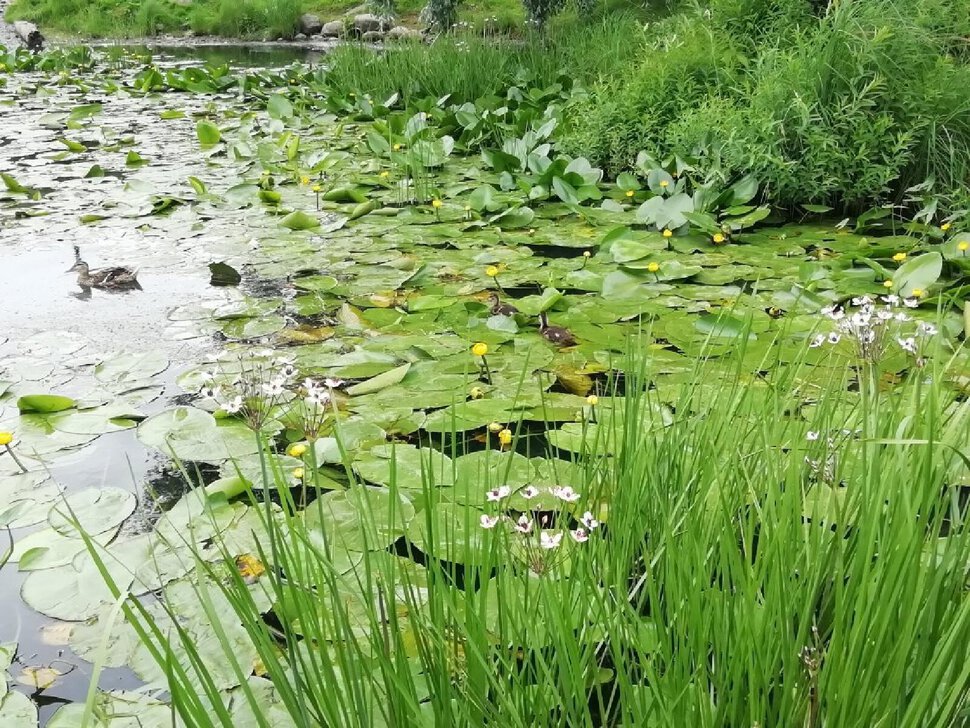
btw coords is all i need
(368, 22)
(401, 33)
(333, 29)
(310, 24)
(372, 36)
(300, 36)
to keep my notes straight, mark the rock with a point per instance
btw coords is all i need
(300, 36)
(310, 24)
(400, 33)
(368, 22)
(333, 29)
(372, 36)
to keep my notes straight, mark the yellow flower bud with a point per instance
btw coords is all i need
(495, 427)
(491, 271)
(887, 283)
(962, 246)
(945, 226)
(297, 450)
(317, 188)
(587, 254)
(718, 238)
(6, 438)
(480, 348)
(668, 233)
(505, 436)
(477, 393)
(436, 203)
(899, 257)
(918, 293)
(629, 193)
(297, 473)
(397, 147)
(664, 183)
(592, 400)
(385, 174)
(653, 267)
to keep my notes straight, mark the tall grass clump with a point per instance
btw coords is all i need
(267, 19)
(774, 551)
(467, 66)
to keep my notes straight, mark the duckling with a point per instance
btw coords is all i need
(498, 308)
(556, 334)
(118, 277)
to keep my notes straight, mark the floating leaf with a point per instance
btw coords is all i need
(44, 403)
(299, 220)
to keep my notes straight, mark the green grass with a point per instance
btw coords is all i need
(733, 584)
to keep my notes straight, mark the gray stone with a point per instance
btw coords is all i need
(333, 29)
(401, 33)
(300, 36)
(368, 22)
(29, 34)
(372, 36)
(310, 24)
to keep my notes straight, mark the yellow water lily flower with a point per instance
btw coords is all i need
(397, 147)
(436, 203)
(918, 293)
(718, 238)
(317, 188)
(495, 427)
(297, 473)
(653, 267)
(505, 436)
(592, 400)
(480, 348)
(629, 193)
(664, 183)
(6, 438)
(587, 254)
(297, 450)
(385, 174)
(962, 246)
(887, 283)
(491, 271)
(477, 393)
(668, 233)
(899, 257)
(946, 226)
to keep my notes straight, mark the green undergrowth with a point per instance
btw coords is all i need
(760, 546)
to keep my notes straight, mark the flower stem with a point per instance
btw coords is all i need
(15, 458)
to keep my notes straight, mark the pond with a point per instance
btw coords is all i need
(327, 260)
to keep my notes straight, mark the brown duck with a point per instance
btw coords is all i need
(498, 308)
(115, 278)
(556, 334)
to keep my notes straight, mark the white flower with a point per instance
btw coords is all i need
(588, 521)
(892, 299)
(862, 301)
(309, 385)
(282, 361)
(549, 541)
(486, 521)
(499, 493)
(529, 492)
(265, 353)
(901, 317)
(925, 329)
(860, 319)
(884, 315)
(317, 398)
(834, 338)
(210, 392)
(333, 383)
(234, 405)
(811, 435)
(274, 388)
(580, 535)
(908, 344)
(287, 371)
(208, 376)
(911, 302)
(523, 525)
(565, 493)
(817, 341)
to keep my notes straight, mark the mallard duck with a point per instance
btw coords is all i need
(497, 308)
(114, 278)
(556, 334)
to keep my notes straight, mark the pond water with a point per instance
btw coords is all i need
(113, 166)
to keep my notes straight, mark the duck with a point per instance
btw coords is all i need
(556, 334)
(497, 308)
(115, 278)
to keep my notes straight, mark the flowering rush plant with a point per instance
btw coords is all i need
(539, 536)
(262, 384)
(873, 325)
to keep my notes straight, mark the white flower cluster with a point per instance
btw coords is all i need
(872, 325)
(264, 382)
(525, 526)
